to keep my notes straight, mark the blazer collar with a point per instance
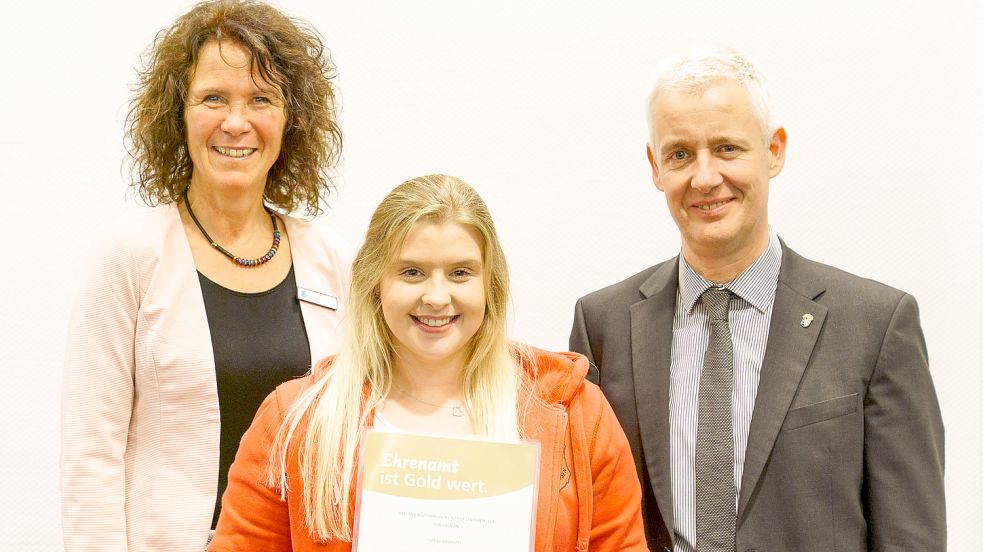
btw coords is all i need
(314, 271)
(651, 348)
(790, 346)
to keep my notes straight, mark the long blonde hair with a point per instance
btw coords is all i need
(336, 408)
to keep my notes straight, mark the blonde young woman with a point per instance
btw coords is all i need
(425, 350)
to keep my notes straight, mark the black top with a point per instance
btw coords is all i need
(259, 341)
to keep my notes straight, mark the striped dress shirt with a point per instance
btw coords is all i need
(750, 316)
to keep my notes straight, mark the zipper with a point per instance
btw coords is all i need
(556, 464)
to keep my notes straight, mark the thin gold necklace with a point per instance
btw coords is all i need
(457, 410)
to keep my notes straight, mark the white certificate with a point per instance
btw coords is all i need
(426, 493)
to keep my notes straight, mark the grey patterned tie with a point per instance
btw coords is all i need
(716, 510)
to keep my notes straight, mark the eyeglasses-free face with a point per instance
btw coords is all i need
(433, 295)
(234, 120)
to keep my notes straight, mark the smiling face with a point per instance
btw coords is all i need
(709, 158)
(433, 294)
(234, 120)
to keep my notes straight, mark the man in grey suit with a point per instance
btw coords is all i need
(772, 403)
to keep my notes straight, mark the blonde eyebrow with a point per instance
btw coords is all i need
(468, 263)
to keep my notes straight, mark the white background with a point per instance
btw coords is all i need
(539, 106)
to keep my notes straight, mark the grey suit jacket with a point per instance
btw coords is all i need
(845, 450)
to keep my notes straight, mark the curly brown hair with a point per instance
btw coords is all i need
(287, 53)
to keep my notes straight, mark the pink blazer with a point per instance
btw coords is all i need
(140, 418)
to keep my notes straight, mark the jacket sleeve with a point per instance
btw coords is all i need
(254, 517)
(904, 443)
(616, 522)
(97, 402)
(580, 342)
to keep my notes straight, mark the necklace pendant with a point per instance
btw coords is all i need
(457, 411)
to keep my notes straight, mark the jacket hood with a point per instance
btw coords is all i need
(554, 377)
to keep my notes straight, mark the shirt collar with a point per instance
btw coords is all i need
(756, 284)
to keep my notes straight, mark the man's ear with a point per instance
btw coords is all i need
(776, 149)
(655, 167)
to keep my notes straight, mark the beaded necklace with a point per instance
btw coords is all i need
(239, 261)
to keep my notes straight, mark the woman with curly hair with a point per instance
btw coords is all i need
(424, 350)
(195, 309)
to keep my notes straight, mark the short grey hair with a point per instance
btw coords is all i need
(696, 71)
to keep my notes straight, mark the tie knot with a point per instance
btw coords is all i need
(717, 301)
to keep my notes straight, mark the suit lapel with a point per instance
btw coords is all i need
(651, 347)
(312, 272)
(789, 348)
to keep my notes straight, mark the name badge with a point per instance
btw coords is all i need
(317, 298)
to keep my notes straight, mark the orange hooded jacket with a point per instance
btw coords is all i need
(589, 494)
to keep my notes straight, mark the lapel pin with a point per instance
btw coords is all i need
(806, 320)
